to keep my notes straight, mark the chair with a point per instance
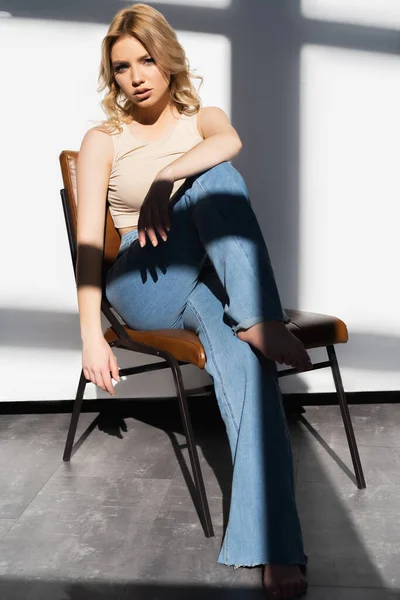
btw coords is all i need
(181, 347)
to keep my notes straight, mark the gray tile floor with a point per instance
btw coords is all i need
(118, 521)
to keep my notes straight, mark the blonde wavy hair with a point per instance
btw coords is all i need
(153, 31)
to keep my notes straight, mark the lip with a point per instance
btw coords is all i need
(142, 93)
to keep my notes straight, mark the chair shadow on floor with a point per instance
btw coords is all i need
(212, 441)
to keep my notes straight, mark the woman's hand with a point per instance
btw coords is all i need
(98, 361)
(154, 216)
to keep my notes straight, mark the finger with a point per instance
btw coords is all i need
(108, 383)
(92, 376)
(86, 374)
(104, 382)
(164, 215)
(168, 211)
(163, 234)
(151, 234)
(289, 360)
(145, 221)
(296, 362)
(114, 369)
(160, 228)
(98, 380)
(156, 222)
(304, 363)
(153, 225)
(141, 233)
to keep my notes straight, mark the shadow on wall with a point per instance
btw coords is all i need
(272, 34)
(60, 331)
(265, 102)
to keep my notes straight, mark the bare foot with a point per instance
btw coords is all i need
(277, 343)
(282, 582)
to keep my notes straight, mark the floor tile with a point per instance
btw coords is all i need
(109, 490)
(381, 465)
(90, 508)
(374, 424)
(5, 526)
(191, 557)
(351, 536)
(108, 553)
(121, 512)
(46, 428)
(140, 451)
(25, 466)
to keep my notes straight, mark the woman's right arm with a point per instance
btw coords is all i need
(92, 178)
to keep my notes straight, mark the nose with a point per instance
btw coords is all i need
(137, 78)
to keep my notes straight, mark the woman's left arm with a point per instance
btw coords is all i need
(220, 143)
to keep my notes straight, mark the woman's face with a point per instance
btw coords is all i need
(135, 70)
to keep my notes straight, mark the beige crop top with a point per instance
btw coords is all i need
(136, 163)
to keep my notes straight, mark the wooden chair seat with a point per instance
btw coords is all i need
(313, 329)
(184, 345)
(317, 330)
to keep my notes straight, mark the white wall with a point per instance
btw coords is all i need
(322, 179)
(377, 13)
(52, 100)
(349, 205)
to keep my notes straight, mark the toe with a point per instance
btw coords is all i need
(299, 591)
(272, 592)
(305, 362)
(302, 587)
(288, 590)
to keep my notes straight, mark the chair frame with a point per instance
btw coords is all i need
(125, 342)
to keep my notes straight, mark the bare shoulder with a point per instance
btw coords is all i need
(103, 131)
(97, 142)
(212, 112)
(212, 120)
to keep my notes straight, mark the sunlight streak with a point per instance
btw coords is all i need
(375, 13)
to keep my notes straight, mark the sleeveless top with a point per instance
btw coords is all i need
(136, 163)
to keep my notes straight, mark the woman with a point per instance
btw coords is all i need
(177, 201)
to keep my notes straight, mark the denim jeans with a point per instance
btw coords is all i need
(168, 286)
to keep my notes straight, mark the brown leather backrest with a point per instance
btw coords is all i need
(68, 160)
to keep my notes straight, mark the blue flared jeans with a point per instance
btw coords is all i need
(168, 286)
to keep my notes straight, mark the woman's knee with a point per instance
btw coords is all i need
(223, 178)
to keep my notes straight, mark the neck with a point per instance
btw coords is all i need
(156, 113)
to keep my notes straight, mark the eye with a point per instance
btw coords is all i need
(118, 68)
(149, 59)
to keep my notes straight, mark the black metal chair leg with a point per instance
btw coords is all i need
(346, 418)
(194, 458)
(74, 418)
